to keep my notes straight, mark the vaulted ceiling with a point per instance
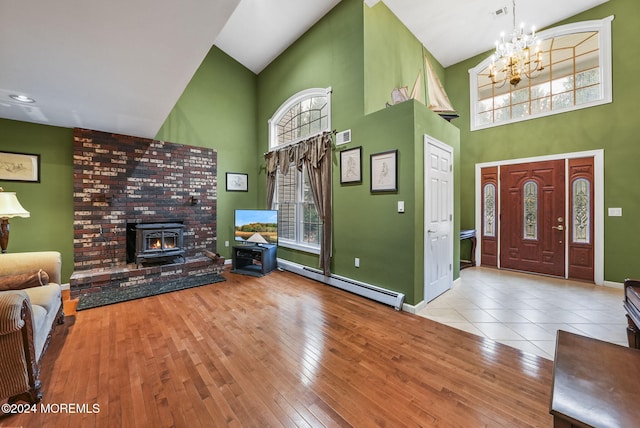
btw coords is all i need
(121, 65)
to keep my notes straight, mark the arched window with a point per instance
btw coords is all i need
(577, 74)
(305, 114)
(302, 116)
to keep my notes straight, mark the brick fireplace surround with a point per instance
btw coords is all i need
(121, 180)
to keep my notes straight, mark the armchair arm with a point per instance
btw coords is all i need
(11, 315)
(19, 370)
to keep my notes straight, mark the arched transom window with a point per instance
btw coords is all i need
(576, 60)
(305, 114)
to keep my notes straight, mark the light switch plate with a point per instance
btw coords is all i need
(400, 206)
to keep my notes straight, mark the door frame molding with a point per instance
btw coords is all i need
(598, 204)
(429, 140)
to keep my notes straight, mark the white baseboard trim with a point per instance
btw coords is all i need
(373, 292)
(613, 284)
(414, 309)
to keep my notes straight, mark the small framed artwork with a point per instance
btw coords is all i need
(351, 166)
(384, 171)
(19, 167)
(237, 182)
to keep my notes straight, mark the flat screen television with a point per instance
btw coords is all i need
(256, 226)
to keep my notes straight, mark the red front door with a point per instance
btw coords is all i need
(532, 223)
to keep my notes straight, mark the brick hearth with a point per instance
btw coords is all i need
(102, 279)
(120, 181)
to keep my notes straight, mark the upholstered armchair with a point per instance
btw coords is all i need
(30, 306)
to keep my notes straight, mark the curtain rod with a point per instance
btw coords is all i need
(334, 132)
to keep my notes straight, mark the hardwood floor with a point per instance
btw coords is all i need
(281, 351)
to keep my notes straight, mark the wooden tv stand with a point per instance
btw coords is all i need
(255, 260)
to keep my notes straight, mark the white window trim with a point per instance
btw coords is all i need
(288, 243)
(286, 106)
(602, 26)
(297, 246)
(273, 137)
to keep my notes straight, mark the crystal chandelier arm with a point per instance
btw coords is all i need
(514, 55)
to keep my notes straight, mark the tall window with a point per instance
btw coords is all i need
(304, 115)
(577, 74)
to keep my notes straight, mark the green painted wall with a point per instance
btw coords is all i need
(367, 225)
(218, 110)
(394, 58)
(611, 127)
(50, 202)
(328, 55)
(341, 51)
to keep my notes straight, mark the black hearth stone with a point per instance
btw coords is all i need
(133, 292)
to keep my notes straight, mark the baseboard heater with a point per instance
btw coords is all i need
(378, 294)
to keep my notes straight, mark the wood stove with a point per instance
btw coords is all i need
(159, 242)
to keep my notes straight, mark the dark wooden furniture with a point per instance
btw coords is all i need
(471, 235)
(595, 383)
(256, 260)
(632, 306)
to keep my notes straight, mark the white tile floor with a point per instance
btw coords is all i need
(525, 311)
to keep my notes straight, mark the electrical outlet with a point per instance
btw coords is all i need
(615, 212)
(357, 262)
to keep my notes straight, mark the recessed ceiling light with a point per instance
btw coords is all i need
(22, 98)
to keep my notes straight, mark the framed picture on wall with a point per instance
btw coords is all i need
(351, 166)
(384, 171)
(237, 182)
(19, 167)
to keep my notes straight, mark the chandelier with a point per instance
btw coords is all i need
(513, 56)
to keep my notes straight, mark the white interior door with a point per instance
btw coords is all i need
(438, 218)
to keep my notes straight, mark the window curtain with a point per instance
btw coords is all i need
(315, 155)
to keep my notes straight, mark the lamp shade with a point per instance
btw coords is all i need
(10, 206)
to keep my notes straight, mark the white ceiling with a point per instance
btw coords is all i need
(455, 31)
(121, 65)
(110, 65)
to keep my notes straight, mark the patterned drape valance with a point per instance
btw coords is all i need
(315, 154)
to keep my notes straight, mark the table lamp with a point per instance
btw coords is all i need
(9, 208)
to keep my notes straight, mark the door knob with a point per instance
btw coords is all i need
(560, 227)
